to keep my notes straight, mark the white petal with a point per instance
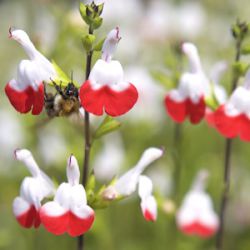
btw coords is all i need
(149, 208)
(192, 53)
(145, 187)
(53, 208)
(148, 156)
(20, 206)
(73, 172)
(26, 157)
(127, 183)
(31, 191)
(239, 102)
(63, 195)
(110, 44)
(107, 74)
(78, 196)
(82, 211)
(197, 206)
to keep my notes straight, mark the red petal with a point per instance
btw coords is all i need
(20, 100)
(226, 125)
(199, 229)
(78, 226)
(149, 216)
(55, 224)
(196, 111)
(23, 101)
(38, 100)
(209, 116)
(244, 128)
(29, 218)
(176, 110)
(115, 103)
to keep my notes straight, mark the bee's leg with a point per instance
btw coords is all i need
(58, 88)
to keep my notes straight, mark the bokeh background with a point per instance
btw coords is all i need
(151, 31)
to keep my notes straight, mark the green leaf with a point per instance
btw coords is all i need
(91, 183)
(88, 41)
(108, 125)
(62, 77)
(163, 79)
(211, 101)
(245, 49)
(96, 23)
(240, 68)
(98, 46)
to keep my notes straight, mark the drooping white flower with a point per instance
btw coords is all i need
(106, 90)
(233, 118)
(33, 190)
(196, 215)
(127, 183)
(188, 99)
(69, 212)
(26, 92)
(148, 202)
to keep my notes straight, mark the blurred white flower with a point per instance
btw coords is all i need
(196, 215)
(11, 134)
(149, 105)
(109, 161)
(51, 145)
(215, 75)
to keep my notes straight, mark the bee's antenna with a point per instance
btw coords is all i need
(71, 76)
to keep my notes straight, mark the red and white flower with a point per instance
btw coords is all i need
(233, 118)
(148, 202)
(33, 190)
(196, 215)
(188, 99)
(127, 184)
(106, 90)
(26, 92)
(69, 212)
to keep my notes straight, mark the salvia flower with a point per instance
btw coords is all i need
(33, 190)
(69, 212)
(106, 90)
(26, 92)
(128, 182)
(196, 215)
(233, 118)
(148, 202)
(188, 99)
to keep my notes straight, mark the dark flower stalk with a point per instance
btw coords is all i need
(239, 30)
(87, 146)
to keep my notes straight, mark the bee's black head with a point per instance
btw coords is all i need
(71, 90)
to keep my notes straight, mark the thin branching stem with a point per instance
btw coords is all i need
(87, 146)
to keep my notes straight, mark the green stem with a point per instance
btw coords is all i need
(87, 146)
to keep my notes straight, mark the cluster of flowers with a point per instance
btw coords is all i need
(231, 118)
(69, 212)
(106, 91)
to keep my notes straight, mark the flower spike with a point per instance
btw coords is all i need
(69, 212)
(105, 90)
(33, 190)
(26, 92)
(188, 99)
(196, 215)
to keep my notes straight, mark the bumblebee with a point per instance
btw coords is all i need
(64, 103)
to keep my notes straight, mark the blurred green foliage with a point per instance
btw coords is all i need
(122, 227)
